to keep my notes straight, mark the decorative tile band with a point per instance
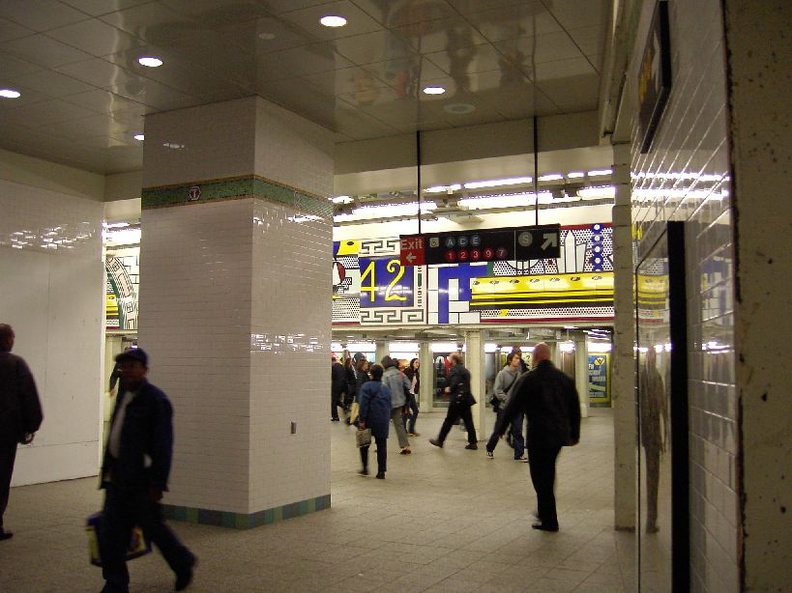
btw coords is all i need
(234, 189)
(242, 521)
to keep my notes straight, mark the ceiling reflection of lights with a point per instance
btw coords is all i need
(434, 90)
(150, 61)
(386, 210)
(596, 192)
(505, 201)
(304, 218)
(459, 108)
(498, 182)
(10, 94)
(600, 172)
(139, 137)
(333, 21)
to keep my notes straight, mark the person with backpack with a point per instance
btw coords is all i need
(504, 383)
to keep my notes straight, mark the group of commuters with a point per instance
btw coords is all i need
(135, 467)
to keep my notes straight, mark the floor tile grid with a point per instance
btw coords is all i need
(443, 520)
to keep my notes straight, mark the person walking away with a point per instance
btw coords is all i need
(549, 400)
(337, 387)
(504, 382)
(20, 414)
(460, 401)
(135, 474)
(350, 379)
(375, 413)
(414, 378)
(399, 388)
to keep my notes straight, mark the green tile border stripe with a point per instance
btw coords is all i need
(242, 521)
(237, 188)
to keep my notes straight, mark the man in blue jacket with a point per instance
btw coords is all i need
(549, 399)
(135, 474)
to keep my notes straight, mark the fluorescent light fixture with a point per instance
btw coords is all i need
(600, 172)
(139, 137)
(361, 347)
(150, 61)
(436, 189)
(444, 347)
(10, 93)
(598, 347)
(551, 177)
(433, 90)
(505, 201)
(333, 21)
(566, 346)
(498, 182)
(490, 347)
(576, 175)
(385, 210)
(594, 192)
(342, 200)
(403, 347)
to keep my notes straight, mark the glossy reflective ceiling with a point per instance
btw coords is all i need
(84, 95)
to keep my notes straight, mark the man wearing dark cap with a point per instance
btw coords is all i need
(20, 413)
(135, 474)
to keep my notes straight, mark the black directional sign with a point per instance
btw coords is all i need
(516, 243)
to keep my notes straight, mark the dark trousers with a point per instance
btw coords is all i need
(455, 412)
(8, 451)
(382, 455)
(543, 470)
(122, 511)
(336, 401)
(409, 421)
(518, 430)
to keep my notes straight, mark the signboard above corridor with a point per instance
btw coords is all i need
(517, 243)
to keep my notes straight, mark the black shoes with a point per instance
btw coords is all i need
(4, 535)
(363, 472)
(436, 443)
(542, 527)
(380, 476)
(471, 446)
(184, 578)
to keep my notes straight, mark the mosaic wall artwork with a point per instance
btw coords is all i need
(372, 287)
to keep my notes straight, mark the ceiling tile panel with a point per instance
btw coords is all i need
(53, 84)
(11, 66)
(101, 101)
(46, 113)
(10, 30)
(43, 51)
(96, 37)
(40, 15)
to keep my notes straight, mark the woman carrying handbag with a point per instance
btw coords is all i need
(375, 414)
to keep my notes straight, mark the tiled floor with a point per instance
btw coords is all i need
(443, 521)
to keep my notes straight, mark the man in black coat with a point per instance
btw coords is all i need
(549, 399)
(135, 473)
(20, 413)
(460, 400)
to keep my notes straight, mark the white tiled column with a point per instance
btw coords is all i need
(235, 267)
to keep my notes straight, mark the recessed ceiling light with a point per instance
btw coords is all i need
(150, 61)
(434, 90)
(10, 94)
(139, 137)
(333, 20)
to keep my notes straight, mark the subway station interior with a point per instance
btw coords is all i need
(245, 188)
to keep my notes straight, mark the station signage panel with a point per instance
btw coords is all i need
(520, 243)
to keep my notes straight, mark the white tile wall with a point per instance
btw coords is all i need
(54, 299)
(685, 177)
(290, 360)
(234, 317)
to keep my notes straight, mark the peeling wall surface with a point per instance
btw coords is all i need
(759, 88)
(685, 176)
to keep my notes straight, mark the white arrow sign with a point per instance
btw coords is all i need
(550, 240)
(410, 257)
